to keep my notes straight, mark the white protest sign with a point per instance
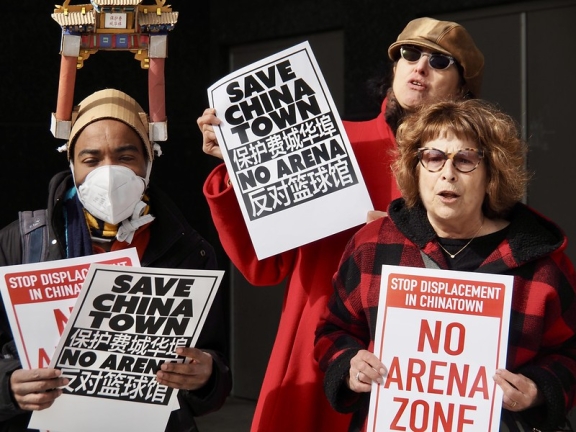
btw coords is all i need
(442, 335)
(289, 159)
(126, 323)
(39, 298)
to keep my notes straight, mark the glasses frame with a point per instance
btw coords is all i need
(450, 156)
(430, 56)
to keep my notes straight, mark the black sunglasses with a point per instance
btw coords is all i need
(436, 61)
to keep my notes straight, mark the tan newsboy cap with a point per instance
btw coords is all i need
(448, 38)
(110, 104)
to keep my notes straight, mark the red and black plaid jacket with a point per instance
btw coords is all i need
(542, 336)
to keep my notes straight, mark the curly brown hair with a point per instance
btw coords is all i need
(495, 132)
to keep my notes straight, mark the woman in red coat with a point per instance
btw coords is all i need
(433, 60)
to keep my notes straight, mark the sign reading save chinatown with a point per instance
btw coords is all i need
(288, 155)
(127, 322)
(442, 335)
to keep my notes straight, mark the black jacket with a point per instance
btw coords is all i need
(173, 244)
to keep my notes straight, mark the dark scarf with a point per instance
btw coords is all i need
(80, 226)
(78, 241)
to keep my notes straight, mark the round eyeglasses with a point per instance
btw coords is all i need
(465, 160)
(436, 61)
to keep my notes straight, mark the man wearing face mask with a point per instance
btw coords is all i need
(106, 203)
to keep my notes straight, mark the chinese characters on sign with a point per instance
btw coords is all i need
(306, 161)
(122, 359)
(115, 20)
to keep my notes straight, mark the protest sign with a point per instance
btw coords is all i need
(39, 298)
(442, 335)
(126, 323)
(289, 159)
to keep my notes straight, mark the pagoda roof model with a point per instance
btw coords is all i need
(88, 18)
(116, 2)
(75, 18)
(114, 25)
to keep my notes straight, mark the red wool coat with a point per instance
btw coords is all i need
(292, 397)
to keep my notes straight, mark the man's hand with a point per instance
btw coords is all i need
(36, 389)
(187, 376)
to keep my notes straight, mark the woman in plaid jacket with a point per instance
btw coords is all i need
(460, 167)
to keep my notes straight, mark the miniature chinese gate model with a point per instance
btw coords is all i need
(113, 25)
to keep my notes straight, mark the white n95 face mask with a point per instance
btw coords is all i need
(111, 193)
